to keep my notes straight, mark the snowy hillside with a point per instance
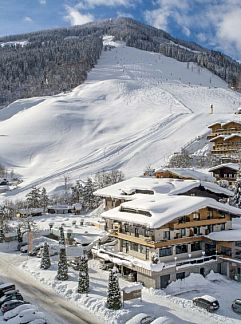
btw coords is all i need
(136, 108)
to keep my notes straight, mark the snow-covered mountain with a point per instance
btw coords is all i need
(135, 109)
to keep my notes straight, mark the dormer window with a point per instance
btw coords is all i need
(135, 211)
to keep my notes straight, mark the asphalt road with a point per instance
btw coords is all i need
(60, 310)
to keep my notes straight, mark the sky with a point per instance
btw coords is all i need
(215, 24)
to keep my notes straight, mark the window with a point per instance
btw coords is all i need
(181, 249)
(135, 211)
(136, 232)
(126, 227)
(222, 227)
(134, 247)
(196, 246)
(210, 214)
(196, 216)
(147, 253)
(142, 249)
(196, 230)
(165, 252)
(182, 232)
(166, 235)
(146, 192)
(238, 243)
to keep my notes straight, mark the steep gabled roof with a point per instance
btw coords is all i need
(233, 166)
(224, 123)
(163, 210)
(225, 137)
(189, 173)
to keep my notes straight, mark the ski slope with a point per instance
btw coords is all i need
(136, 108)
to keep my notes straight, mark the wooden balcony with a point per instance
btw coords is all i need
(131, 238)
(196, 223)
(182, 240)
(152, 244)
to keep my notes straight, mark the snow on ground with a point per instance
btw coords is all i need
(154, 302)
(135, 109)
(216, 285)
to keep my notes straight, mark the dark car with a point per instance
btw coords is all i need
(236, 306)
(6, 287)
(8, 297)
(11, 304)
(207, 302)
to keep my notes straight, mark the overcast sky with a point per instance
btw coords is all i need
(212, 23)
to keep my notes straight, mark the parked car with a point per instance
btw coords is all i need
(141, 318)
(12, 296)
(11, 304)
(27, 316)
(16, 311)
(75, 264)
(6, 287)
(208, 302)
(162, 320)
(236, 306)
(38, 321)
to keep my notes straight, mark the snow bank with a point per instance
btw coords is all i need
(192, 282)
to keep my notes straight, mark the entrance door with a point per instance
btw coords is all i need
(180, 275)
(164, 281)
(202, 272)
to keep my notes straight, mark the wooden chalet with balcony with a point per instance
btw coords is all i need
(226, 172)
(226, 128)
(164, 238)
(226, 138)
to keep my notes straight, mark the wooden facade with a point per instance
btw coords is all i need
(225, 173)
(224, 129)
(170, 174)
(186, 229)
(226, 146)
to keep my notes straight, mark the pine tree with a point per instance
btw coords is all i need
(77, 193)
(2, 236)
(236, 199)
(45, 261)
(83, 286)
(61, 236)
(33, 198)
(62, 273)
(44, 199)
(114, 295)
(88, 196)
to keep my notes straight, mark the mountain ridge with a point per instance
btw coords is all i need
(52, 61)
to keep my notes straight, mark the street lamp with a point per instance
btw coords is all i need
(189, 255)
(203, 253)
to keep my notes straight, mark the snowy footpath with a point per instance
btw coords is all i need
(175, 303)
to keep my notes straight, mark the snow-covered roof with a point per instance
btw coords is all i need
(129, 289)
(229, 236)
(209, 298)
(132, 188)
(154, 213)
(233, 166)
(189, 173)
(225, 137)
(224, 123)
